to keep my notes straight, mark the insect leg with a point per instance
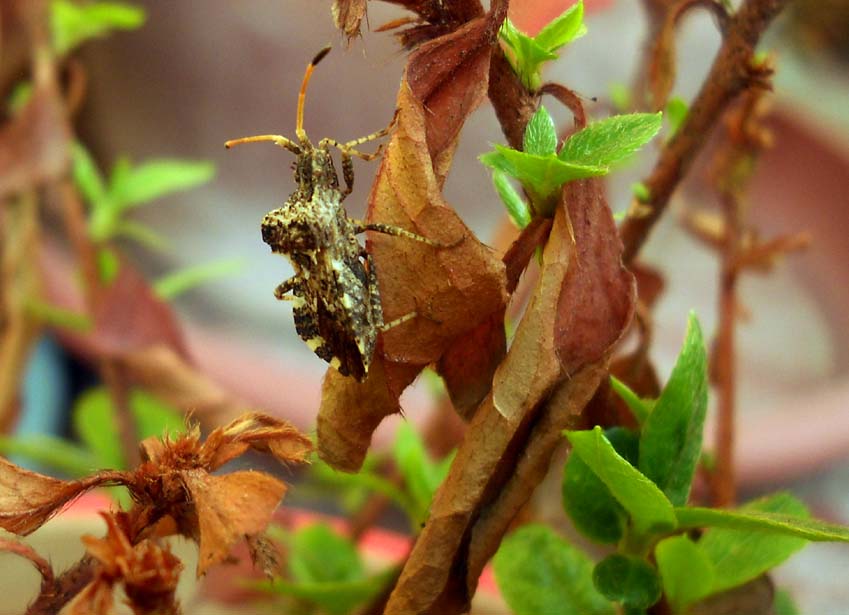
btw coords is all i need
(388, 229)
(286, 287)
(276, 139)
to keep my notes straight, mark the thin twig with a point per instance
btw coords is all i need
(731, 73)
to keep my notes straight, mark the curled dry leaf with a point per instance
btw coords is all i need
(453, 288)
(546, 379)
(148, 572)
(29, 499)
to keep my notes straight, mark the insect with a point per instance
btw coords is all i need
(334, 292)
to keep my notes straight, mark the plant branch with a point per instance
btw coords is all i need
(731, 73)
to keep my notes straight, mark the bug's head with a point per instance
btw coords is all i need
(285, 234)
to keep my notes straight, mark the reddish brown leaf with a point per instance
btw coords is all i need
(650, 283)
(454, 288)
(519, 254)
(597, 301)
(228, 508)
(28, 499)
(347, 15)
(34, 144)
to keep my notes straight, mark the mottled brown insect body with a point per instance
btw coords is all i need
(334, 292)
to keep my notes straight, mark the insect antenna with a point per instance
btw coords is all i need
(302, 94)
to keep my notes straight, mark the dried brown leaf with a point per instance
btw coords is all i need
(148, 572)
(347, 15)
(265, 555)
(453, 288)
(228, 508)
(260, 432)
(34, 144)
(96, 598)
(582, 284)
(29, 499)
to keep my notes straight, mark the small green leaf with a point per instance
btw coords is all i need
(525, 55)
(94, 422)
(686, 571)
(610, 140)
(740, 555)
(55, 453)
(784, 604)
(55, 316)
(641, 408)
(540, 134)
(541, 176)
(641, 192)
(152, 180)
(317, 554)
(140, 233)
(334, 598)
(648, 507)
(628, 580)
(564, 29)
(108, 265)
(87, 177)
(421, 476)
(20, 96)
(538, 572)
(588, 502)
(153, 417)
(182, 280)
(516, 206)
(72, 24)
(676, 113)
(672, 434)
(620, 97)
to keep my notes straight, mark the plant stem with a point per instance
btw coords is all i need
(730, 74)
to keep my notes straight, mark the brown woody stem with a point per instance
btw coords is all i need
(730, 74)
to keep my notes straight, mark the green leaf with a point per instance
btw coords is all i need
(158, 178)
(94, 422)
(317, 554)
(776, 523)
(525, 55)
(421, 476)
(542, 176)
(56, 453)
(620, 97)
(540, 134)
(564, 29)
(19, 97)
(182, 280)
(538, 572)
(602, 143)
(348, 486)
(154, 417)
(783, 604)
(648, 507)
(740, 555)
(676, 113)
(335, 598)
(686, 571)
(140, 233)
(87, 177)
(108, 265)
(672, 434)
(588, 502)
(72, 24)
(641, 192)
(55, 316)
(641, 408)
(629, 580)
(516, 206)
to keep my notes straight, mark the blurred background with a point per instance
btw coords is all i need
(198, 74)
